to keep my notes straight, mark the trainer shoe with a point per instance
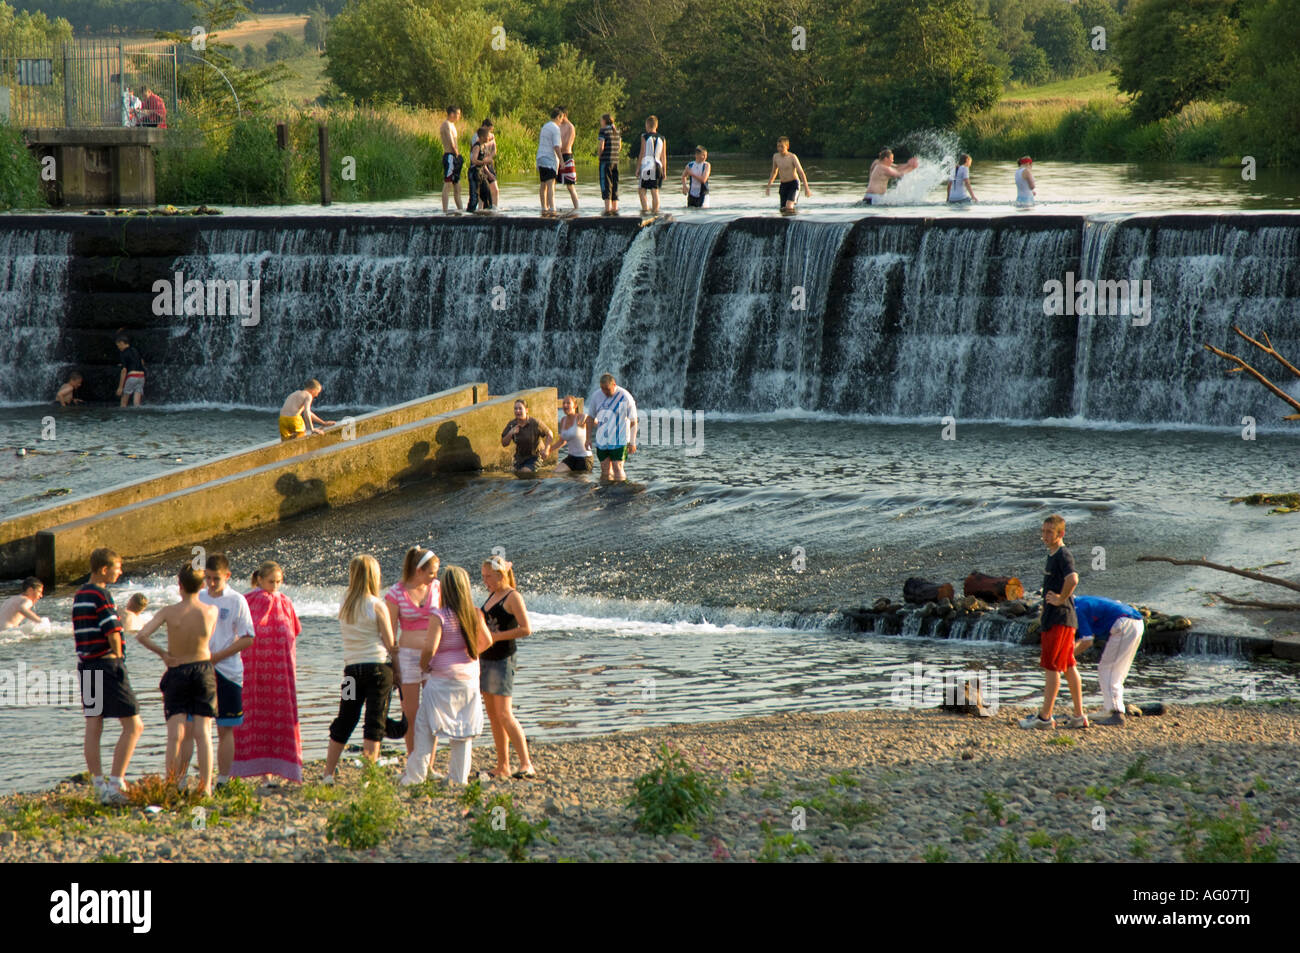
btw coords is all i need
(112, 794)
(1077, 721)
(1111, 718)
(1133, 711)
(328, 779)
(1033, 721)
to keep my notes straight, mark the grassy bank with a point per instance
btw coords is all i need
(20, 173)
(1201, 783)
(394, 154)
(1088, 120)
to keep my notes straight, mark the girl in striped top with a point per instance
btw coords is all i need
(409, 604)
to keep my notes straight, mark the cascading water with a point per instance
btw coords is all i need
(33, 284)
(885, 317)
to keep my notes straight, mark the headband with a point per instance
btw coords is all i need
(427, 556)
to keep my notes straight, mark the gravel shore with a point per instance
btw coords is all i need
(845, 786)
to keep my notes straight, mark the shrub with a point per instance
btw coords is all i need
(1235, 836)
(673, 796)
(20, 173)
(371, 817)
(499, 826)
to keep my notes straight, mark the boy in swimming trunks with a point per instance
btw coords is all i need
(189, 686)
(131, 381)
(786, 164)
(67, 393)
(297, 417)
(452, 160)
(568, 168)
(882, 170)
(20, 608)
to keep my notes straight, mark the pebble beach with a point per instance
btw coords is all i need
(898, 786)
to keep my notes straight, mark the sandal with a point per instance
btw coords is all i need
(490, 776)
(530, 774)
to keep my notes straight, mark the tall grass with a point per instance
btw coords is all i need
(20, 173)
(1103, 131)
(375, 155)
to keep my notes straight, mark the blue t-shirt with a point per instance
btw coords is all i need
(1097, 616)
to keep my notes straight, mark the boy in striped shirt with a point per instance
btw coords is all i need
(101, 667)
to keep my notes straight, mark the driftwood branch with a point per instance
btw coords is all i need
(1243, 366)
(1267, 348)
(1259, 576)
(1253, 604)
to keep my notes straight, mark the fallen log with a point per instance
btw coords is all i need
(993, 588)
(917, 590)
(1257, 576)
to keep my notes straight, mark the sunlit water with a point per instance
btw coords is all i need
(681, 597)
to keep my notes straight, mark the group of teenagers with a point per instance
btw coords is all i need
(230, 658)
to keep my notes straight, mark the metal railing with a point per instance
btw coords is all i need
(85, 84)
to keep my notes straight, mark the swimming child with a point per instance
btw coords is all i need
(959, 189)
(131, 621)
(695, 179)
(66, 393)
(882, 170)
(20, 608)
(786, 164)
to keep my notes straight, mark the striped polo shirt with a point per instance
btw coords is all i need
(94, 619)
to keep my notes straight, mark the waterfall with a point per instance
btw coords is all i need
(886, 317)
(33, 285)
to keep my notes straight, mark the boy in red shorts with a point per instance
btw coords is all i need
(1057, 627)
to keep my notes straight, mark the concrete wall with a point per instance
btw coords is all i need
(18, 535)
(348, 471)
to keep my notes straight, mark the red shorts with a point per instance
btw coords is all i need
(1057, 653)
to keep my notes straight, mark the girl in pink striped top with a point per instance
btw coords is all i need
(409, 603)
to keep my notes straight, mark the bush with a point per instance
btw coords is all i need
(20, 173)
(673, 796)
(1234, 837)
(371, 817)
(498, 826)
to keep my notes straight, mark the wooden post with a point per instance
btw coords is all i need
(324, 164)
(281, 136)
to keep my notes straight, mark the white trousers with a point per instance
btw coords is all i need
(417, 765)
(1116, 660)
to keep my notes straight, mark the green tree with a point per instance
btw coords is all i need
(28, 29)
(1173, 52)
(317, 28)
(1099, 13)
(1059, 34)
(1268, 82)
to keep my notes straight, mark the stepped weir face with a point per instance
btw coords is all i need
(888, 318)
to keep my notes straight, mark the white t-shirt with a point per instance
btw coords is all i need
(361, 642)
(233, 622)
(614, 416)
(957, 190)
(546, 146)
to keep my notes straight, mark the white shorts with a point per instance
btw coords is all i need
(874, 199)
(408, 664)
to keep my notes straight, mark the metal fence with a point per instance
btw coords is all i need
(85, 83)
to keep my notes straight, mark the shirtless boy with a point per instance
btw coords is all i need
(296, 416)
(786, 164)
(452, 160)
(19, 609)
(189, 687)
(882, 170)
(568, 169)
(68, 392)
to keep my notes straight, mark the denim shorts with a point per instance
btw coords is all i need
(497, 676)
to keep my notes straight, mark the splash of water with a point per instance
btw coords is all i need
(937, 150)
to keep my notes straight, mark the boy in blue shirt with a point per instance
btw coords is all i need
(1117, 629)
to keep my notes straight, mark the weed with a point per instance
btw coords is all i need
(154, 789)
(994, 805)
(1039, 839)
(1235, 836)
(500, 827)
(1007, 851)
(843, 779)
(472, 794)
(237, 798)
(772, 790)
(371, 817)
(31, 820)
(320, 792)
(429, 787)
(1096, 792)
(934, 854)
(1261, 785)
(673, 796)
(780, 847)
(1062, 741)
(1140, 847)
(1065, 848)
(970, 833)
(1138, 771)
(109, 859)
(744, 775)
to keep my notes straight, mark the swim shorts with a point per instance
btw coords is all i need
(789, 191)
(568, 170)
(527, 463)
(695, 201)
(1057, 650)
(105, 689)
(291, 427)
(134, 384)
(451, 165)
(230, 702)
(546, 174)
(652, 184)
(190, 689)
(578, 464)
(613, 453)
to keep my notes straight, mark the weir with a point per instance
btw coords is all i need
(457, 430)
(884, 317)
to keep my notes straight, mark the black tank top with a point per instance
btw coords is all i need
(502, 620)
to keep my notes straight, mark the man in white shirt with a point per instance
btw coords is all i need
(548, 161)
(611, 421)
(232, 634)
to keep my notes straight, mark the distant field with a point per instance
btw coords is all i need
(1082, 89)
(261, 28)
(308, 82)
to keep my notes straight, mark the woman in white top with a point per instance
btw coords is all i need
(451, 707)
(573, 437)
(368, 647)
(1025, 187)
(959, 189)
